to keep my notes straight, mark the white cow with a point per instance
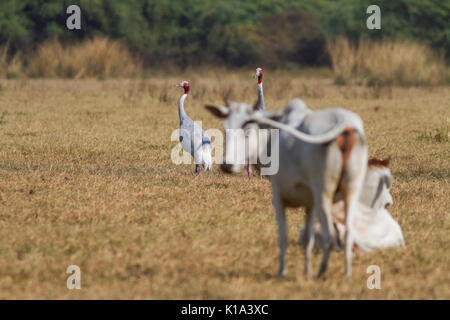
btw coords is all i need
(374, 228)
(321, 154)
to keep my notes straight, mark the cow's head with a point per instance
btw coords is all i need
(376, 189)
(241, 134)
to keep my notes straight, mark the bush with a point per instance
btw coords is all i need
(10, 66)
(99, 57)
(386, 63)
(424, 21)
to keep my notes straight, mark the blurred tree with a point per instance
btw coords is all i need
(15, 26)
(233, 32)
(292, 37)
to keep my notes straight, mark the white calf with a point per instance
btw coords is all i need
(374, 228)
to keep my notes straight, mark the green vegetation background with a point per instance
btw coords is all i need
(276, 33)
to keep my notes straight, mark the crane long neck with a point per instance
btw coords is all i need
(181, 112)
(261, 105)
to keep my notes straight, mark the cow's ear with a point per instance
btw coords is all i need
(385, 162)
(255, 105)
(379, 162)
(218, 111)
(275, 115)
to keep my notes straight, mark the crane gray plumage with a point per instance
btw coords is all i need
(259, 106)
(192, 138)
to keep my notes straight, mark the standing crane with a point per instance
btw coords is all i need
(259, 105)
(192, 138)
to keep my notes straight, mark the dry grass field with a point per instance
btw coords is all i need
(86, 179)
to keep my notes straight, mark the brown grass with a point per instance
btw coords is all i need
(386, 63)
(99, 58)
(440, 134)
(86, 179)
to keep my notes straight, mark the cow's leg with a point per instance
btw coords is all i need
(309, 242)
(351, 185)
(334, 235)
(350, 206)
(282, 229)
(323, 211)
(351, 191)
(324, 185)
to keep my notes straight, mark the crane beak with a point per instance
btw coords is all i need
(178, 85)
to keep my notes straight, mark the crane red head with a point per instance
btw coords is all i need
(259, 75)
(184, 85)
